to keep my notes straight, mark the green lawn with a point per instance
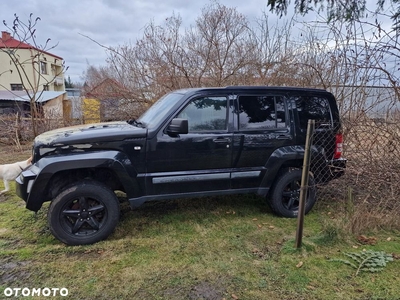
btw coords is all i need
(211, 248)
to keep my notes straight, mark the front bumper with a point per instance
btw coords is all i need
(25, 181)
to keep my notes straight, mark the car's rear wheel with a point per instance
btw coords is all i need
(285, 195)
(84, 213)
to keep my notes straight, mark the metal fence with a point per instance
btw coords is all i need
(369, 190)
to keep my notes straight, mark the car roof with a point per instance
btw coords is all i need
(251, 87)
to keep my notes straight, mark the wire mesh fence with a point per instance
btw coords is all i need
(369, 189)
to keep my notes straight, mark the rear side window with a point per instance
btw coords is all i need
(314, 108)
(261, 112)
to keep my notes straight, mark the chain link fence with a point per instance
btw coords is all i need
(368, 192)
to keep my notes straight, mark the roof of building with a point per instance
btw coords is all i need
(22, 96)
(7, 41)
(108, 88)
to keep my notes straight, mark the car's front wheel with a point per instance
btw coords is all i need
(285, 195)
(84, 213)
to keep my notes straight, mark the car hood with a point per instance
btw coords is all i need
(90, 133)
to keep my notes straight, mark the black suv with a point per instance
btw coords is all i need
(190, 143)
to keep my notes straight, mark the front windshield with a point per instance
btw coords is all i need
(158, 111)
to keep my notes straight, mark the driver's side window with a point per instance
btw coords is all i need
(206, 114)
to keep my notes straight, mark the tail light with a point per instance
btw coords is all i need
(338, 146)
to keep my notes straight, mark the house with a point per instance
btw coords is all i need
(40, 66)
(42, 77)
(51, 104)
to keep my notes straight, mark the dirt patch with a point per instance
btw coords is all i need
(207, 291)
(13, 271)
(203, 290)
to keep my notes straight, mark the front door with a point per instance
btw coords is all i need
(197, 161)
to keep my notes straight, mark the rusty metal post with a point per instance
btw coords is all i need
(304, 183)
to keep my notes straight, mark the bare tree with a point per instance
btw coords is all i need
(343, 10)
(352, 60)
(25, 33)
(275, 55)
(220, 49)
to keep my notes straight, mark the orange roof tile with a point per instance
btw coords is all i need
(7, 41)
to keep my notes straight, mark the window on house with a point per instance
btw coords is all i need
(45, 87)
(16, 87)
(43, 67)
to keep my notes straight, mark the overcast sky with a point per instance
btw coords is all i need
(109, 22)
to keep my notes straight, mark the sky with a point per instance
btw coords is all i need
(69, 23)
(108, 22)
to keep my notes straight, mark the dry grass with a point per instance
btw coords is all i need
(369, 190)
(11, 154)
(212, 248)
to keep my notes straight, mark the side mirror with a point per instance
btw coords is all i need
(178, 126)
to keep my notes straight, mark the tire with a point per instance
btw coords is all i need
(84, 213)
(285, 194)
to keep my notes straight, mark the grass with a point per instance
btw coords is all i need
(206, 248)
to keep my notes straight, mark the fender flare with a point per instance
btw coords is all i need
(277, 159)
(290, 156)
(47, 167)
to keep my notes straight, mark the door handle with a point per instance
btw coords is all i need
(284, 137)
(222, 140)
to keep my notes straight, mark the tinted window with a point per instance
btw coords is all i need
(159, 110)
(206, 114)
(261, 112)
(313, 108)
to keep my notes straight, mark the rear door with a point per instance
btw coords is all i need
(262, 126)
(199, 160)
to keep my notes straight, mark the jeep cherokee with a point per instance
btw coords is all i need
(190, 143)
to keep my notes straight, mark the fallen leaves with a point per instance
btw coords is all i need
(365, 240)
(258, 253)
(261, 225)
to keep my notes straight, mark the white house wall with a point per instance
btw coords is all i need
(33, 76)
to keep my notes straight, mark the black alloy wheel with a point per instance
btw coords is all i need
(285, 194)
(84, 213)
